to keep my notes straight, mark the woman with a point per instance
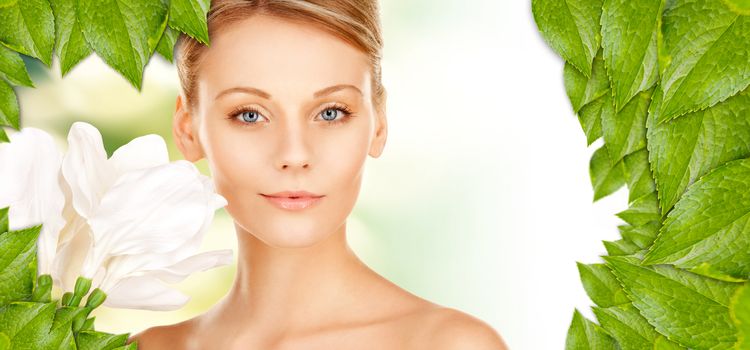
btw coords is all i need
(286, 104)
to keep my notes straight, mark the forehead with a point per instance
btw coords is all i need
(280, 56)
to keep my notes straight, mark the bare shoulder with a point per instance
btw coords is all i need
(160, 337)
(147, 339)
(151, 338)
(446, 328)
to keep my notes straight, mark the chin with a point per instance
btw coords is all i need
(279, 228)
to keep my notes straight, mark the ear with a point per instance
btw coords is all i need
(184, 132)
(381, 132)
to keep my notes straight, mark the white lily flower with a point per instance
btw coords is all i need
(144, 218)
(30, 184)
(146, 290)
(128, 223)
(89, 174)
(149, 222)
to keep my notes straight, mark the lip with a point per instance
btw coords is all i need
(293, 200)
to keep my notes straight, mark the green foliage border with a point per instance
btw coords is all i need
(649, 77)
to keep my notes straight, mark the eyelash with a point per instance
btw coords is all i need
(348, 113)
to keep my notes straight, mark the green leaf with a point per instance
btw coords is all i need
(740, 312)
(571, 28)
(68, 343)
(638, 175)
(709, 58)
(12, 67)
(629, 33)
(741, 7)
(642, 211)
(123, 33)
(582, 90)
(629, 328)
(584, 334)
(689, 309)
(18, 264)
(662, 343)
(189, 17)
(642, 236)
(38, 325)
(167, 42)
(94, 340)
(625, 132)
(88, 325)
(71, 46)
(620, 247)
(685, 149)
(9, 110)
(33, 29)
(3, 135)
(601, 285)
(61, 331)
(590, 117)
(708, 231)
(28, 325)
(4, 220)
(605, 178)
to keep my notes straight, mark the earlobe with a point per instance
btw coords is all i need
(381, 134)
(183, 132)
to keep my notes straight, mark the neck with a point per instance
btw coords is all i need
(293, 289)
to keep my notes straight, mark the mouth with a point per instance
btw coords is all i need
(293, 200)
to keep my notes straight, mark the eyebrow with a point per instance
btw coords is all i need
(267, 96)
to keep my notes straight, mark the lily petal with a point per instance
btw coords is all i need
(136, 264)
(192, 245)
(195, 263)
(124, 266)
(85, 167)
(146, 293)
(215, 201)
(30, 183)
(150, 210)
(177, 262)
(142, 152)
(71, 253)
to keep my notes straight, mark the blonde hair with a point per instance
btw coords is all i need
(355, 21)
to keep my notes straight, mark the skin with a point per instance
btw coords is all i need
(298, 283)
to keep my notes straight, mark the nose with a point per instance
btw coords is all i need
(293, 151)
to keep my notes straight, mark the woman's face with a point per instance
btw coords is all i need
(273, 98)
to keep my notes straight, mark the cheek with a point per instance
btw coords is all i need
(235, 162)
(342, 160)
(339, 168)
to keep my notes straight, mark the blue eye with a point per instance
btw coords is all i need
(330, 113)
(246, 115)
(249, 116)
